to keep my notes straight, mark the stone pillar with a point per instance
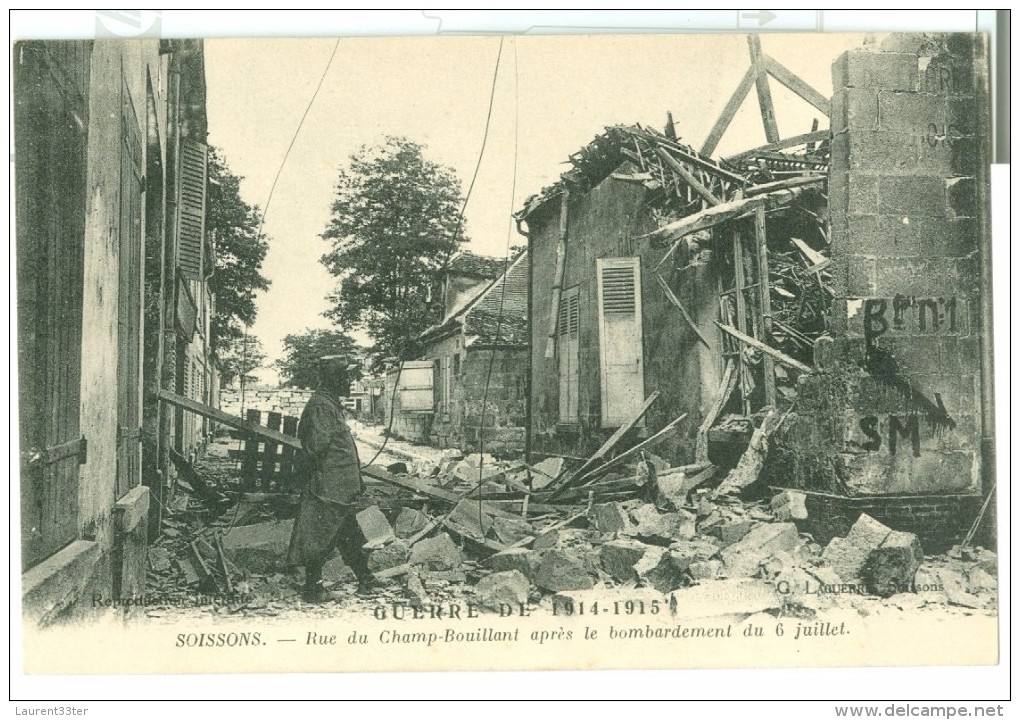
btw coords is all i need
(895, 409)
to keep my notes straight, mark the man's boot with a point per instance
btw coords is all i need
(317, 593)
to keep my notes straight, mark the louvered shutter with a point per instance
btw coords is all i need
(191, 208)
(568, 332)
(620, 339)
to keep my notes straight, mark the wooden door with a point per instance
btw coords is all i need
(620, 339)
(51, 117)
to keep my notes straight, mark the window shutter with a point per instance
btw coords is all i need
(191, 208)
(620, 339)
(568, 334)
(416, 388)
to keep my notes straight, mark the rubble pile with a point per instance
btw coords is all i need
(501, 533)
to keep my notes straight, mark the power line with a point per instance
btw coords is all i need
(502, 293)
(458, 231)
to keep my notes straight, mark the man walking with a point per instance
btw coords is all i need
(332, 474)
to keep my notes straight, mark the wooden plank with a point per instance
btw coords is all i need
(738, 279)
(687, 177)
(683, 311)
(250, 464)
(287, 455)
(784, 185)
(643, 445)
(228, 419)
(269, 451)
(761, 82)
(524, 542)
(765, 303)
(431, 491)
(729, 111)
(780, 357)
(703, 220)
(789, 142)
(725, 390)
(788, 78)
(610, 443)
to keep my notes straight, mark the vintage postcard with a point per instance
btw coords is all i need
(501, 353)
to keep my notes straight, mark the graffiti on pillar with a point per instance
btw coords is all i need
(904, 315)
(905, 427)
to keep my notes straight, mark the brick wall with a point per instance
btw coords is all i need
(895, 408)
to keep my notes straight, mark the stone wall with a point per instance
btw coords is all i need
(286, 401)
(894, 407)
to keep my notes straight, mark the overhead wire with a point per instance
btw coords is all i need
(458, 231)
(262, 223)
(502, 293)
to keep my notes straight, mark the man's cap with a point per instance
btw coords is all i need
(344, 362)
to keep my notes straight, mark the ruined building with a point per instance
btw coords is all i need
(813, 312)
(112, 270)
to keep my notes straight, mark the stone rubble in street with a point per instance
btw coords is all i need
(657, 535)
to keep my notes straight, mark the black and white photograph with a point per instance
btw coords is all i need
(504, 352)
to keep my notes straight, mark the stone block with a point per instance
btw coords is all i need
(511, 530)
(374, 526)
(336, 570)
(961, 197)
(908, 112)
(662, 569)
(611, 518)
(409, 522)
(790, 505)
(389, 556)
(521, 559)
(619, 557)
(560, 570)
(467, 516)
(869, 69)
(502, 591)
(922, 196)
(848, 555)
(669, 490)
(259, 548)
(545, 472)
(436, 553)
(705, 569)
(744, 556)
(891, 567)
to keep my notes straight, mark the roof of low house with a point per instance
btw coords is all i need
(483, 266)
(496, 316)
(677, 174)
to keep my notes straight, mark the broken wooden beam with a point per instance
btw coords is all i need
(703, 220)
(729, 111)
(683, 311)
(761, 81)
(781, 145)
(643, 445)
(227, 419)
(788, 78)
(430, 491)
(726, 387)
(751, 462)
(764, 307)
(608, 444)
(782, 358)
(687, 177)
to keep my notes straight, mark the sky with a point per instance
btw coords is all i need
(552, 95)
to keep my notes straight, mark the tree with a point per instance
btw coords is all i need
(300, 364)
(240, 251)
(234, 358)
(395, 223)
